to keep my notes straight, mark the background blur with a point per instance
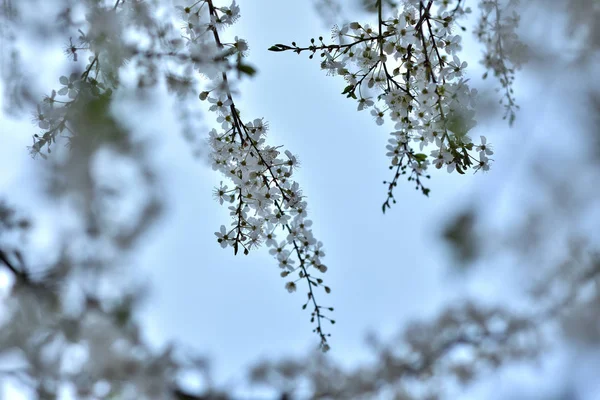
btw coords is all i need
(485, 236)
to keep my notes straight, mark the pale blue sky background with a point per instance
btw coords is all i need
(383, 269)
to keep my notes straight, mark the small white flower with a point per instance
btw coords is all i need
(484, 148)
(220, 193)
(241, 45)
(278, 250)
(364, 103)
(220, 105)
(291, 287)
(41, 118)
(223, 237)
(378, 115)
(484, 163)
(71, 85)
(270, 239)
(286, 263)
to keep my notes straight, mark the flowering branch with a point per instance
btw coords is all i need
(504, 51)
(424, 94)
(263, 184)
(265, 197)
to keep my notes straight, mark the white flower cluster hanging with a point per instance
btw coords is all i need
(406, 69)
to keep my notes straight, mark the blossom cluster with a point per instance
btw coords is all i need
(266, 199)
(406, 69)
(107, 52)
(58, 112)
(265, 203)
(54, 113)
(504, 52)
